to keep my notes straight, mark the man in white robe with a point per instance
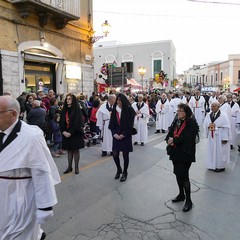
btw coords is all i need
(197, 105)
(213, 97)
(217, 130)
(140, 121)
(103, 118)
(27, 176)
(234, 114)
(162, 114)
(175, 101)
(224, 106)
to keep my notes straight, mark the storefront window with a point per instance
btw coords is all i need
(39, 77)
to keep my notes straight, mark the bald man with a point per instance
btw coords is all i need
(27, 176)
(217, 130)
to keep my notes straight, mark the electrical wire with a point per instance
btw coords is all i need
(213, 2)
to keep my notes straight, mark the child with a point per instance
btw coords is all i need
(57, 136)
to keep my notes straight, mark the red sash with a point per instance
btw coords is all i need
(177, 132)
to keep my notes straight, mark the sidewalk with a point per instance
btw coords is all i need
(141, 208)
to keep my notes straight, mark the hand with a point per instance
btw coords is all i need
(170, 141)
(116, 136)
(121, 136)
(43, 216)
(66, 134)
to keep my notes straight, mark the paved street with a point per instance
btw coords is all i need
(94, 206)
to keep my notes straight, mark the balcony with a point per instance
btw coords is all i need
(59, 11)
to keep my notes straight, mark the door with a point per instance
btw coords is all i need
(39, 76)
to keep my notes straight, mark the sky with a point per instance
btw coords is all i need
(201, 32)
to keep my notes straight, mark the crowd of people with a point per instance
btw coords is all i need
(50, 125)
(62, 118)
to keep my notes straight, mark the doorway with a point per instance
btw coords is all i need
(39, 76)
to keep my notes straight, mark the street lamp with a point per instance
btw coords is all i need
(105, 28)
(142, 71)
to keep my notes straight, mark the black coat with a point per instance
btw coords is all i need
(75, 128)
(185, 145)
(124, 128)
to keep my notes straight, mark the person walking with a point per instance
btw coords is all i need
(162, 112)
(121, 124)
(181, 150)
(103, 119)
(141, 120)
(218, 132)
(28, 176)
(71, 125)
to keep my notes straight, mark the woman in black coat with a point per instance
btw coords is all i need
(181, 140)
(71, 125)
(121, 124)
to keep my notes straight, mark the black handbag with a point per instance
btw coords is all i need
(169, 149)
(134, 131)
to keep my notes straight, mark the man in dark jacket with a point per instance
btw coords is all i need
(37, 115)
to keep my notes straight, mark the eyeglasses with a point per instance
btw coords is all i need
(9, 110)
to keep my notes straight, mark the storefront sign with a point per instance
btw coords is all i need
(73, 72)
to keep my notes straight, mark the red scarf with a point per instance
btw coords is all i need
(118, 118)
(177, 132)
(67, 120)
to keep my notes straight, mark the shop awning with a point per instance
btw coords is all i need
(133, 82)
(42, 58)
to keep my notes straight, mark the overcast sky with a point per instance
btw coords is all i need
(201, 32)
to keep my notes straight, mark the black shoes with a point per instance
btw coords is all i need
(142, 144)
(178, 198)
(187, 207)
(219, 170)
(123, 177)
(157, 131)
(163, 131)
(104, 153)
(76, 170)
(135, 143)
(43, 236)
(117, 176)
(68, 170)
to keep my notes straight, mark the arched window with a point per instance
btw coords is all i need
(110, 59)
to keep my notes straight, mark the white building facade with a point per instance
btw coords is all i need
(154, 56)
(224, 75)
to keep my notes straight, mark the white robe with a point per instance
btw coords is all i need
(227, 110)
(198, 109)
(234, 114)
(103, 118)
(218, 154)
(140, 122)
(174, 106)
(162, 115)
(212, 99)
(26, 155)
